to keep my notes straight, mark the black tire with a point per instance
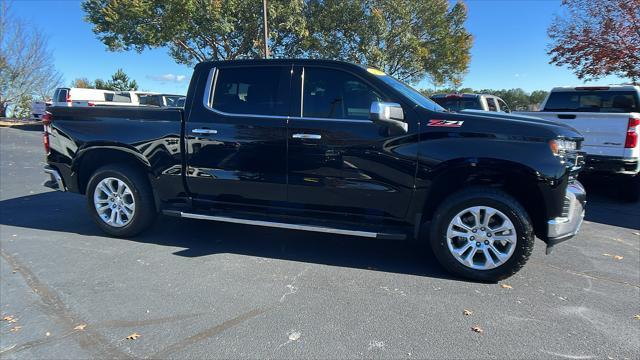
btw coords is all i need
(145, 209)
(482, 196)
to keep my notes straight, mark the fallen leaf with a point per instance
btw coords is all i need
(80, 327)
(477, 329)
(636, 316)
(616, 257)
(15, 328)
(133, 336)
(505, 286)
(467, 312)
(9, 318)
(636, 233)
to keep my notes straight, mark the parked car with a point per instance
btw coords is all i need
(609, 119)
(162, 100)
(342, 150)
(459, 102)
(39, 108)
(77, 96)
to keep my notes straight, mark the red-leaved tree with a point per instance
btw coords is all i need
(595, 38)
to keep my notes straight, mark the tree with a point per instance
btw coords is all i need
(408, 39)
(120, 81)
(82, 83)
(100, 84)
(26, 68)
(195, 30)
(405, 38)
(597, 38)
(537, 97)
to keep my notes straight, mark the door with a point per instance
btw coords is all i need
(237, 146)
(339, 161)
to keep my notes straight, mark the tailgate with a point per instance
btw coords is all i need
(604, 133)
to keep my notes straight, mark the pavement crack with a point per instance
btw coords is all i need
(208, 333)
(53, 305)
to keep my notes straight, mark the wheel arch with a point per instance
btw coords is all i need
(89, 159)
(515, 179)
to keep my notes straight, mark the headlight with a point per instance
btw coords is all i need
(560, 146)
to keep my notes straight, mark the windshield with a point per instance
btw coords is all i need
(411, 93)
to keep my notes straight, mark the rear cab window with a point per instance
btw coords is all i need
(61, 95)
(593, 101)
(121, 97)
(256, 90)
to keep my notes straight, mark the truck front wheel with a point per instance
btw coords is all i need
(120, 200)
(482, 234)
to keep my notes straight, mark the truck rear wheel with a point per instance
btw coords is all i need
(120, 200)
(482, 234)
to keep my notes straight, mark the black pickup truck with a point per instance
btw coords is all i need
(331, 147)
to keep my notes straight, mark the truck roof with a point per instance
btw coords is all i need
(597, 87)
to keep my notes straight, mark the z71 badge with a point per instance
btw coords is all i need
(445, 123)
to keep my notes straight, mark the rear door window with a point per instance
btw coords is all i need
(255, 90)
(593, 101)
(335, 94)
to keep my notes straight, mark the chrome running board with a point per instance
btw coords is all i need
(283, 225)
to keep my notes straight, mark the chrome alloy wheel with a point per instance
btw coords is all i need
(114, 202)
(481, 237)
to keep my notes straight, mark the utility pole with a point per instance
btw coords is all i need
(266, 29)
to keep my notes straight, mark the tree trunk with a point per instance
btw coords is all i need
(3, 110)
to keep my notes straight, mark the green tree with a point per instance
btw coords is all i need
(22, 107)
(100, 84)
(537, 97)
(407, 39)
(195, 30)
(82, 83)
(120, 81)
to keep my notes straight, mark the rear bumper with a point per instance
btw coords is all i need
(611, 164)
(567, 226)
(55, 182)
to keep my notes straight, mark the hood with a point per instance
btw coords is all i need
(511, 125)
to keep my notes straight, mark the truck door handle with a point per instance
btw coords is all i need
(307, 136)
(204, 131)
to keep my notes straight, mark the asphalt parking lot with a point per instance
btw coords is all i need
(194, 289)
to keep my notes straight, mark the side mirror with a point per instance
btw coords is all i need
(389, 114)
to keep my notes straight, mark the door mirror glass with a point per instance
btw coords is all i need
(389, 114)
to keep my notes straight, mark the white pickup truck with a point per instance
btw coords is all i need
(609, 119)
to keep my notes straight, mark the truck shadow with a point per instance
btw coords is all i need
(605, 206)
(63, 212)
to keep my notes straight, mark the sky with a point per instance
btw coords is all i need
(509, 48)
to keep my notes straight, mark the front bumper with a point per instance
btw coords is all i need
(55, 182)
(567, 226)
